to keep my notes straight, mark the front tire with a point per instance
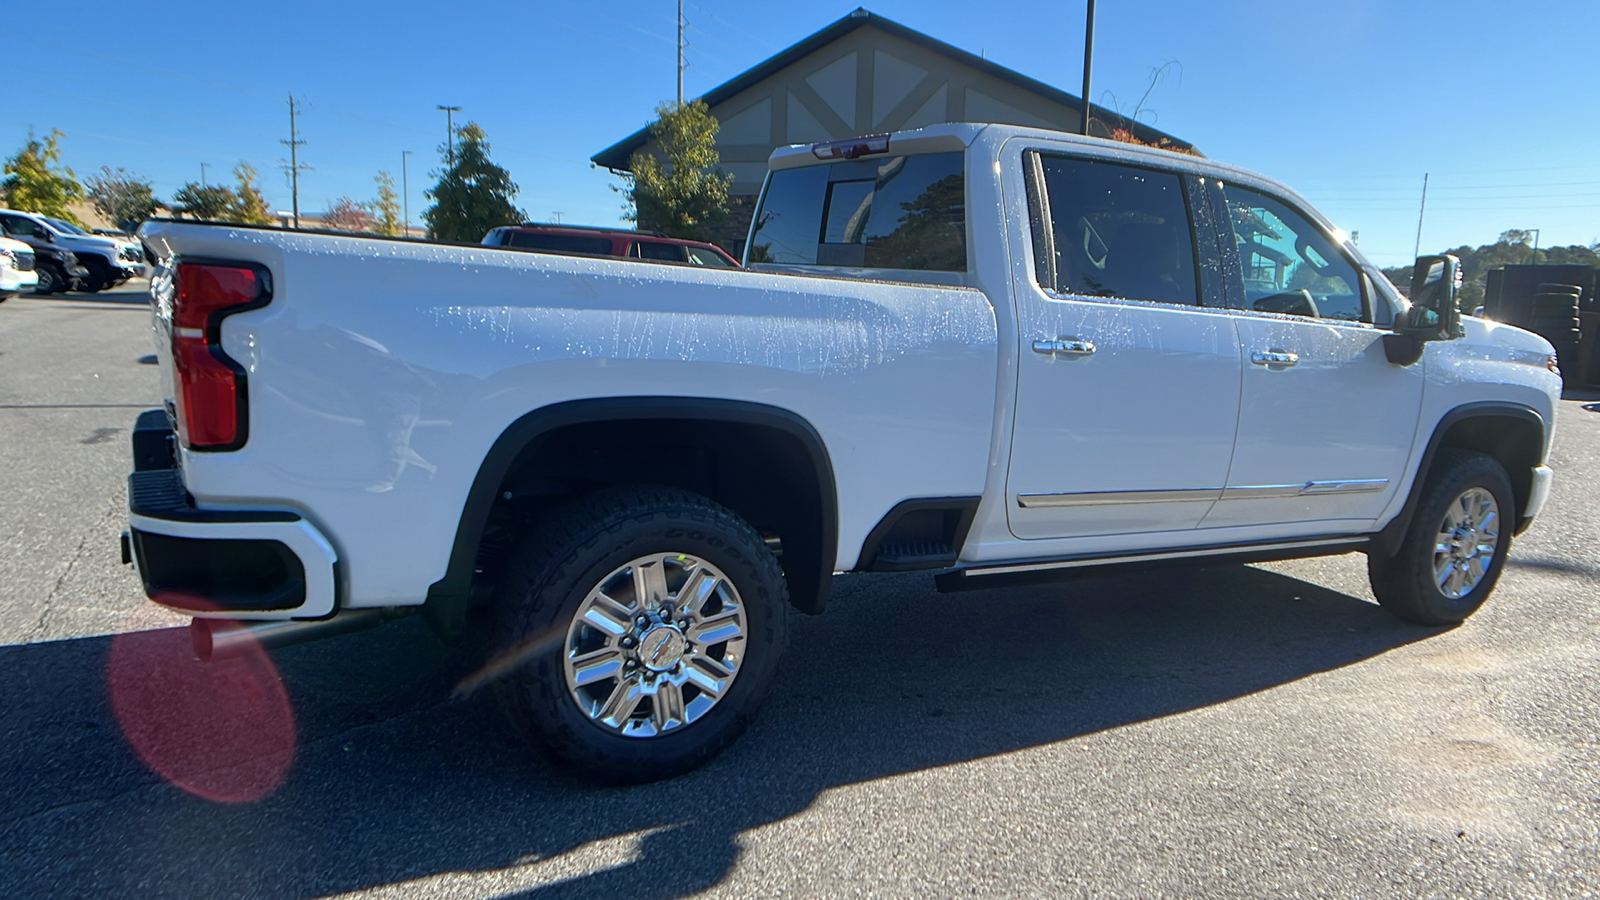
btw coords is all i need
(652, 621)
(1451, 558)
(49, 281)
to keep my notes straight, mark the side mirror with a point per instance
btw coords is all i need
(1433, 316)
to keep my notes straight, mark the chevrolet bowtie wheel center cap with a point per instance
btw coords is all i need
(661, 648)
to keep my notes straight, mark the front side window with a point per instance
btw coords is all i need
(1289, 265)
(902, 212)
(23, 226)
(1116, 231)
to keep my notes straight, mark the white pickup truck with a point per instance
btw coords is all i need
(995, 353)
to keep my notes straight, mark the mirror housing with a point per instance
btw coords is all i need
(1433, 316)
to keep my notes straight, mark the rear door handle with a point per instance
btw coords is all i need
(1275, 359)
(1063, 346)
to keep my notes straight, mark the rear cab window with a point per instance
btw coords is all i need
(903, 213)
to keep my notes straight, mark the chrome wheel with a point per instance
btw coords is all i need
(1465, 547)
(655, 645)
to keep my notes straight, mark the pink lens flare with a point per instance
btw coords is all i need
(222, 730)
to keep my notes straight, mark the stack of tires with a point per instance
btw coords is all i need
(1554, 316)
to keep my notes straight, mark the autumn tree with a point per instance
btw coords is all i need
(211, 203)
(123, 198)
(345, 214)
(387, 207)
(37, 182)
(681, 190)
(473, 194)
(248, 206)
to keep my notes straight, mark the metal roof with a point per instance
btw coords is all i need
(617, 155)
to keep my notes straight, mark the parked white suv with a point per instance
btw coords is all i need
(110, 261)
(17, 272)
(1009, 354)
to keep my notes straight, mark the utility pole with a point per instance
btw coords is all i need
(405, 190)
(680, 53)
(203, 174)
(1088, 57)
(450, 129)
(557, 214)
(1420, 211)
(294, 143)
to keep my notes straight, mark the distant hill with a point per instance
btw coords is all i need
(1513, 248)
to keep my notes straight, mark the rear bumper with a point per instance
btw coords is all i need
(235, 564)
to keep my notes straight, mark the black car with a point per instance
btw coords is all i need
(59, 269)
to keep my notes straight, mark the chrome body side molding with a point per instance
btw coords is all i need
(1242, 492)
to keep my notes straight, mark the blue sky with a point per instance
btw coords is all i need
(1350, 103)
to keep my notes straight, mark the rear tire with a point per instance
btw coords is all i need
(1452, 556)
(652, 620)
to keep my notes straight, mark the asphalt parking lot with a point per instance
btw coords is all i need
(1232, 731)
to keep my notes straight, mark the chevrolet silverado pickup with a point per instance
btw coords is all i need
(997, 354)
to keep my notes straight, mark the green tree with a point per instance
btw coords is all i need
(682, 191)
(123, 198)
(248, 206)
(37, 182)
(473, 194)
(1513, 248)
(213, 203)
(387, 207)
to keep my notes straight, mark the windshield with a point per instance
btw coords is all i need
(65, 226)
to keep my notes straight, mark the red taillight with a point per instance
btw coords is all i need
(210, 395)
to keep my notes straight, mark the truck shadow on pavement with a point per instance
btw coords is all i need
(391, 785)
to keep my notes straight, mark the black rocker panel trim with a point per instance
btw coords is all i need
(920, 533)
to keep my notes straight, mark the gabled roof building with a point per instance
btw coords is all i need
(866, 74)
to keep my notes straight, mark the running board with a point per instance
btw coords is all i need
(974, 578)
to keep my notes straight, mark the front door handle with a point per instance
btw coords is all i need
(1063, 346)
(1275, 359)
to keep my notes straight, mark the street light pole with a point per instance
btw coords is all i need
(1088, 57)
(203, 174)
(450, 129)
(405, 190)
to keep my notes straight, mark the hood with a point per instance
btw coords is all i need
(1488, 331)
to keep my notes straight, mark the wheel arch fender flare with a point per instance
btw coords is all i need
(447, 598)
(1387, 541)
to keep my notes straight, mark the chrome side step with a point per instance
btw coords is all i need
(985, 576)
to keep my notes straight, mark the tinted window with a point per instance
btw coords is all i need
(23, 226)
(1289, 265)
(560, 243)
(1119, 231)
(903, 212)
(700, 256)
(659, 251)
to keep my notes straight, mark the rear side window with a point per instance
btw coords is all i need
(658, 251)
(560, 243)
(1115, 231)
(700, 256)
(903, 212)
